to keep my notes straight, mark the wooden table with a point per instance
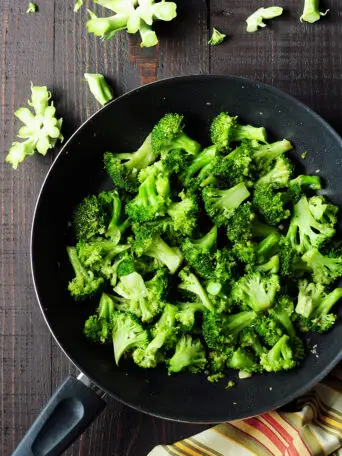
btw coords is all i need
(52, 48)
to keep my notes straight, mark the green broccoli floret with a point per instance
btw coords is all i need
(314, 306)
(127, 334)
(265, 154)
(224, 130)
(305, 231)
(261, 230)
(98, 327)
(153, 196)
(291, 263)
(280, 357)
(143, 299)
(32, 8)
(217, 363)
(216, 37)
(300, 183)
(198, 253)
(89, 219)
(280, 174)
(199, 167)
(311, 12)
(250, 253)
(221, 332)
(186, 314)
(325, 269)
(269, 329)
(175, 161)
(126, 265)
(124, 168)
(164, 334)
(256, 292)
(185, 213)
(270, 203)
(322, 210)
(193, 286)
(84, 284)
(221, 205)
(256, 20)
(168, 135)
(189, 355)
(116, 226)
(272, 266)
(243, 360)
(248, 338)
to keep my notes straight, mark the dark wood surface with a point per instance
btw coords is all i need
(52, 48)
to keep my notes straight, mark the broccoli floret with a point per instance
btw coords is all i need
(184, 213)
(193, 286)
(127, 334)
(99, 87)
(124, 168)
(216, 38)
(256, 20)
(311, 12)
(198, 253)
(221, 205)
(250, 253)
(168, 134)
(32, 8)
(89, 219)
(325, 269)
(291, 263)
(249, 339)
(189, 355)
(314, 306)
(175, 161)
(164, 334)
(265, 154)
(225, 130)
(143, 299)
(186, 314)
(116, 226)
(280, 357)
(200, 167)
(272, 266)
(269, 329)
(267, 247)
(84, 284)
(261, 230)
(126, 265)
(323, 211)
(98, 327)
(221, 332)
(271, 203)
(280, 174)
(305, 231)
(98, 254)
(243, 360)
(300, 183)
(256, 292)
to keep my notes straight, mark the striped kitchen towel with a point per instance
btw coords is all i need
(311, 426)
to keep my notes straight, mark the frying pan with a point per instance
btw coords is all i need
(77, 171)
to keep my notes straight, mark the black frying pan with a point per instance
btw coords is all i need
(121, 126)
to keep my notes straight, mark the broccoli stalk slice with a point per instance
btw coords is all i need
(256, 20)
(127, 334)
(199, 164)
(107, 27)
(191, 284)
(148, 36)
(265, 154)
(208, 241)
(267, 247)
(280, 357)
(171, 257)
(311, 12)
(325, 269)
(189, 354)
(327, 303)
(243, 360)
(99, 87)
(84, 283)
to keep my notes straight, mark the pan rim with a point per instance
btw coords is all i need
(288, 98)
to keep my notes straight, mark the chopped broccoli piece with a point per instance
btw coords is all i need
(241, 225)
(98, 327)
(256, 20)
(189, 355)
(199, 168)
(78, 5)
(265, 154)
(41, 129)
(185, 213)
(99, 87)
(113, 204)
(280, 357)
(198, 253)
(300, 183)
(187, 312)
(89, 219)
(193, 286)
(325, 269)
(323, 211)
(271, 266)
(280, 174)
(32, 8)
(243, 360)
(84, 284)
(311, 12)
(271, 203)
(217, 37)
(291, 263)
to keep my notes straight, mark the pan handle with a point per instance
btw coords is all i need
(71, 409)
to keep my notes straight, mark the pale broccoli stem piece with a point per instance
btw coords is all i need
(78, 5)
(99, 87)
(148, 36)
(311, 12)
(217, 37)
(32, 8)
(256, 19)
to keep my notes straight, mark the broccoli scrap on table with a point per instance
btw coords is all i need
(99, 87)
(41, 130)
(217, 37)
(32, 8)
(311, 12)
(256, 20)
(205, 259)
(78, 5)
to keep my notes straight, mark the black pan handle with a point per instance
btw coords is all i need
(71, 409)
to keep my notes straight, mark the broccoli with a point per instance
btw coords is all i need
(126, 265)
(240, 225)
(280, 174)
(272, 266)
(269, 329)
(224, 130)
(243, 360)
(153, 197)
(124, 168)
(185, 213)
(98, 327)
(168, 134)
(314, 306)
(32, 8)
(305, 231)
(221, 332)
(311, 12)
(323, 211)
(84, 284)
(221, 205)
(325, 269)
(143, 299)
(260, 229)
(280, 357)
(291, 263)
(78, 5)
(187, 312)
(216, 38)
(248, 338)
(89, 219)
(164, 334)
(193, 286)
(116, 226)
(256, 20)
(199, 167)
(127, 334)
(175, 161)
(265, 154)
(256, 292)
(189, 355)
(270, 203)
(198, 252)
(301, 182)
(41, 130)
(99, 87)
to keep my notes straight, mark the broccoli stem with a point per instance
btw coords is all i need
(106, 27)
(208, 240)
(311, 11)
(201, 161)
(327, 303)
(77, 266)
(311, 182)
(142, 158)
(249, 132)
(170, 256)
(266, 153)
(233, 197)
(266, 247)
(235, 323)
(262, 229)
(106, 307)
(271, 266)
(148, 36)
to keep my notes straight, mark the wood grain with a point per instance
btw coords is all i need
(53, 48)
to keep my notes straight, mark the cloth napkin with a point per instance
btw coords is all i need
(309, 426)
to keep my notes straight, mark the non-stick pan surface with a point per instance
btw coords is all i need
(78, 170)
